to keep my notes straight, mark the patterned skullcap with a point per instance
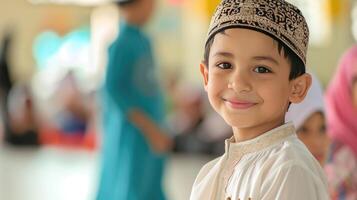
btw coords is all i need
(277, 18)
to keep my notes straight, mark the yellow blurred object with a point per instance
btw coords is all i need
(211, 6)
(203, 8)
(337, 9)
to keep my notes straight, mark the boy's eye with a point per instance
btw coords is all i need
(224, 65)
(262, 69)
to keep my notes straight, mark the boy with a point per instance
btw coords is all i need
(133, 113)
(253, 68)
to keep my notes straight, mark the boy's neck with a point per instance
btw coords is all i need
(244, 134)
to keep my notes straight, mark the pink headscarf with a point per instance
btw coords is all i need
(341, 114)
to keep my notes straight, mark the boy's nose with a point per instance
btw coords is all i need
(239, 82)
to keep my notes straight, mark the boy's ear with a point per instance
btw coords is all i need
(299, 88)
(204, 73)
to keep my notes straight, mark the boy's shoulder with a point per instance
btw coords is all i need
(290, 149)
(291, 165)
(291, 153)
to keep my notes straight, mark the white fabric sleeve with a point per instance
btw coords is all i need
(294, 182)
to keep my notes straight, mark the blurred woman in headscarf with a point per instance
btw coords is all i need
(309, 120)
(341, 107)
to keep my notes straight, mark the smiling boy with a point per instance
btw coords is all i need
(253, 69)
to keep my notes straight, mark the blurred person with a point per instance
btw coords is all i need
(195, 129)
(18, 117)
(75, 111)
(21, 128)
(309, 120)
(341, 107)
(133, 113)
(72, 124)
(5, 78)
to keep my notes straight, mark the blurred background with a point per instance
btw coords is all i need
(53, 56)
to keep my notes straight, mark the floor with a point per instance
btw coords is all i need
(58, 174)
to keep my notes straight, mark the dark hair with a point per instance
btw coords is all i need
(297, 66)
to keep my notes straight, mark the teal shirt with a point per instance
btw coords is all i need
(130, 170)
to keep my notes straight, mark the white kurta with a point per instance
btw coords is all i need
(275, 165)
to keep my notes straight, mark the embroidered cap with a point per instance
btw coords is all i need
(277, 18)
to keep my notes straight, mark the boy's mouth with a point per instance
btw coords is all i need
(238, 104)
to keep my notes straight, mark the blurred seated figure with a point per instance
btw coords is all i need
(21, 127)
(73, 116)
(5, 80)
(72, 122)
(196, 130)
(18, 119)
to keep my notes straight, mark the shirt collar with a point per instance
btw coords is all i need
(265, 140)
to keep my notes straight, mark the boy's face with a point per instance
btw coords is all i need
(247, 80)
(313, 134)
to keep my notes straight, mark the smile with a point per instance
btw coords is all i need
(239, 104)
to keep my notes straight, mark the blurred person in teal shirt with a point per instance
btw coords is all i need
(134, 141)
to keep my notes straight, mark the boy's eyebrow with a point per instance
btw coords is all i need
(267, 58)
(225, 54)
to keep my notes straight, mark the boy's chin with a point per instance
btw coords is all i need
(238, 123)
